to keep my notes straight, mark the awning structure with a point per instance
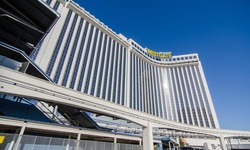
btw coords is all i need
(13, 54)
(24, 23)
(79, 118)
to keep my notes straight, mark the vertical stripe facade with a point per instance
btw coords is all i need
(89, 57)
(174, 89)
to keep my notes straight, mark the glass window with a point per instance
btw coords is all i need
(97, 64)
(92, 51)
(65, 50)
(72, 54)
(79, 56)
(111, 71)
(58, 44)
(106, 69)
(79, 88)
(115, 72)
(102, 66)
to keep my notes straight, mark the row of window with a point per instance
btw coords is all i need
(182, 58)
(88, 60)
(175, 93)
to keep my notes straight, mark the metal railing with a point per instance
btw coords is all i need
(29, 142)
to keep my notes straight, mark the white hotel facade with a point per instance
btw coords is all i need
(83, 54)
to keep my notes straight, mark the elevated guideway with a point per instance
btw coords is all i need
(8, 58)
(16, 83)
(79, 118)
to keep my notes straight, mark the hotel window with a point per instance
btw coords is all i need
(96, 64)
(124, 69)
(106, 69)
(85, 59)
(91, 64)
(72, 54)
(102, 67)
(111, 71)
(56, 5)
(115, 73)
(65, 50)
(119, 76)
(58, 44)
(76, 69)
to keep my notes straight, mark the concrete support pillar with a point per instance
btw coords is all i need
(140, 142)
(13, 140)
(148, 137)
(78, 141)
(169, 145)
(115, 144)
(19, 138)
(222, 143)
(178, 142)
(54, 111)
(67, 146)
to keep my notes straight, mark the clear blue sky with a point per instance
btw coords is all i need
(219, 31)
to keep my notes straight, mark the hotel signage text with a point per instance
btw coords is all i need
(159, 54)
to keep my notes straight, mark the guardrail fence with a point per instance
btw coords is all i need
(29, 142)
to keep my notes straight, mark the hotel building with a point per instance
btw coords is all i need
(83, 54)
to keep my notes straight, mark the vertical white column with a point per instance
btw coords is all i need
(13, 140)
(54, 111)
(78, 141)
(147, 137)
(140, 142)
(20, 136)
(169, 145)
(67, 146)
(115, 144)
(222, 143)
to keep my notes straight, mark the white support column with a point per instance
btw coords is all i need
(148, 137)
(78, 141)
(19, 138)
(115, 144)
(54, 111)
(67, 146)
(222, 143)
(169, 145)
(13, 140)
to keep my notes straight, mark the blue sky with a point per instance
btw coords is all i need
(219, 31)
